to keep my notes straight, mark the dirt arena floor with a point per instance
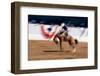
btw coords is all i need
(48, 50)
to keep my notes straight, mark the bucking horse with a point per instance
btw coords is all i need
(63, 36)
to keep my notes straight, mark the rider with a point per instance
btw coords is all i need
(63, 30)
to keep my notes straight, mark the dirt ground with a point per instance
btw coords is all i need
(48, 50)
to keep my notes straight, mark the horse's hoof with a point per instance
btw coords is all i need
(74, 51)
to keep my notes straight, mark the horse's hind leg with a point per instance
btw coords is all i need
(74, 49)
(73, 44)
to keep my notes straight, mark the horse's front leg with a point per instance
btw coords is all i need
(61, 40)
(60, 45)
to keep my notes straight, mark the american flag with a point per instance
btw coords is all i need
(48, 31)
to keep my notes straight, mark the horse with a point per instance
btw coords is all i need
(64, 36)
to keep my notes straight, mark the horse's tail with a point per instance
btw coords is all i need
(76, 41)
